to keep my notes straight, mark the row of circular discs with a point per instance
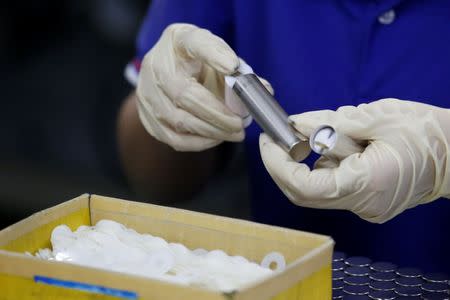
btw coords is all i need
(358, 278)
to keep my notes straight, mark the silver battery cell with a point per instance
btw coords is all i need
(357, 271)
(338, 285)
(383, 276)
(408, 291)
(383, 285)
(247, 97)
(435, 287)
(436, 277)
(339, 256)
(358, 261)
(357, 290)
(269, 115)
(357, 280)
(382, 266)
(338, 266)
(409, 281)
(382, 295)
(326, 141)
(338, 275)
(409, 272)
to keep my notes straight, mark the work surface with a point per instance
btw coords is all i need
(357, 277)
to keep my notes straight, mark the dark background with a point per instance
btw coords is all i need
(61, 84)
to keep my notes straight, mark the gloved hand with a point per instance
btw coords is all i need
(181, 86)
(406, 162)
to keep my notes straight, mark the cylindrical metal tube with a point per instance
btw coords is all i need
(269, 115)
(335, 146)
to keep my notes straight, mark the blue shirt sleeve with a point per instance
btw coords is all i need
(214, 15)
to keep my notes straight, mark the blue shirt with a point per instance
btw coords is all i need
(322, 55)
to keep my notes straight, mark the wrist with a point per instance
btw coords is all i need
(444, 122)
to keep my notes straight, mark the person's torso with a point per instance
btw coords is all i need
(325, 54)
(322, 55)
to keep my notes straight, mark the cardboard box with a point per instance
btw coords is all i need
(307, 276)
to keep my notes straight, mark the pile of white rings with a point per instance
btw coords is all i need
(110, 245)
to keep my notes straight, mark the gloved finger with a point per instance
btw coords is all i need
(181, 121)
(318, 188)
(191, 124)
(323, 162)
(200, 102)
(176, 140)
(349, 120)
(203, 45)
(283, 169)
(267, 85)
(191, 143)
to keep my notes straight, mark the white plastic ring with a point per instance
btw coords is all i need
(274, 257)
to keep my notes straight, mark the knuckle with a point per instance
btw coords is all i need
(172, 28)
(180, 126)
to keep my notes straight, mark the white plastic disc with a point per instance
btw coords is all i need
(274, 258)
(161, 262)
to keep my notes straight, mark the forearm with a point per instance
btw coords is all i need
(155, 170)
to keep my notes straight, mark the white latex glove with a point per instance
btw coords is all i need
(406, 163)
(181, 90)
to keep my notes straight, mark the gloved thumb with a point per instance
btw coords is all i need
(349, 120)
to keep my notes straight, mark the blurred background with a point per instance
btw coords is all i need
(61, 86)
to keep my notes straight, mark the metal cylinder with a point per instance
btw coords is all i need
(331, 144)
(269, 115)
